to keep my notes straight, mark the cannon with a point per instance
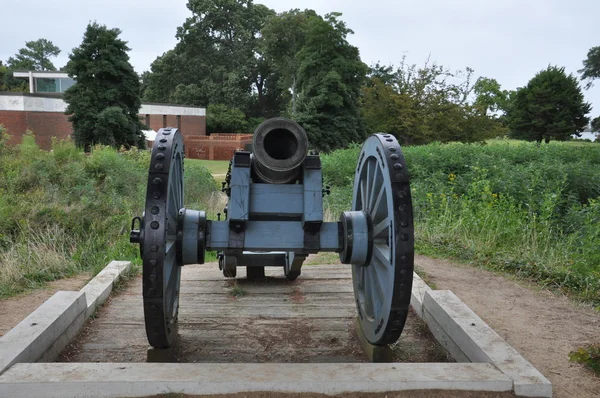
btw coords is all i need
(274, 218)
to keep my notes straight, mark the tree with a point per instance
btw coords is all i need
(222, 119)
(429, 103)
(218, 59)
(551, 106)
(596, 124)
(284, 35)
(104, 102)
(9, 83)
(591, 67)
(35, 56)
(330, 76)
(489, 95)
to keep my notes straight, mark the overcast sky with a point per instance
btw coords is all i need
(509, 40)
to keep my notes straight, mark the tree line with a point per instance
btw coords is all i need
(245, 63)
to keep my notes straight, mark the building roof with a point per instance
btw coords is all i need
(51, 102)
(48, 74)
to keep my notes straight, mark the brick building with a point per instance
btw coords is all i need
(43, 113)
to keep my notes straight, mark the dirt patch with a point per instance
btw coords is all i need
(542, 326)
(14, 309)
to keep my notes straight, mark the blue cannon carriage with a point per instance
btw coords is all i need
(274, 218)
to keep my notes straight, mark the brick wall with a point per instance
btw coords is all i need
(16, 123)
(46, 125)
(215, 146)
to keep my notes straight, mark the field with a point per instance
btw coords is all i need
(525, 209)
(217, 168)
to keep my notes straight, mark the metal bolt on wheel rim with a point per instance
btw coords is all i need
(161, 266)
(382, 287)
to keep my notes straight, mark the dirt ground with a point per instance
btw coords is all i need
(544, 327)
(13, 310)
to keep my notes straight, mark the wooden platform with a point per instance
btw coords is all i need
(309, 320)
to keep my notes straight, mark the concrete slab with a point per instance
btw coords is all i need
(28, 341)
(480, 343)
(136, 380)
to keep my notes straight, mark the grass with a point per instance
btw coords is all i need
(506, 141)
(215, 167)
(530, 210)
(236, 291)
(62, 212)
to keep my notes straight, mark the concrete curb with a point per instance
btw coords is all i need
(144, 379)
(33, 336)
(99, 288)
(96, 292)
(46, 331)
(468, 338)
(419, 288)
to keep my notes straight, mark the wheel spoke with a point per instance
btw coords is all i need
(373, 191)
(375, 206)
(381, 227)
(363, 195)
(382, 252)
(367, 186)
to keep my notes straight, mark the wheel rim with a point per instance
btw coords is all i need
(161, 265)
(382, 287)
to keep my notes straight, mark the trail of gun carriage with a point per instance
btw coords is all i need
(262, 214)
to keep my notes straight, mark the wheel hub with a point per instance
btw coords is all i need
(357, 238)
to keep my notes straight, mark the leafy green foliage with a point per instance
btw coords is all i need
(591, 66)
(596, 124)
(284, 35)
(9, 83)
(63, 212)
(551, 106)
(218, 59)
(430, 103)
(490, 96)
(104, 102)
(589, 356)
(330, 76)
(222, 119)
(35, 56)
(529, 210)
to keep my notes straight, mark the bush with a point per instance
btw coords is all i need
(62, 212)
(527, 209)
(223, 119)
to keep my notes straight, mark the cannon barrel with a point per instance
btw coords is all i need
(279, 147)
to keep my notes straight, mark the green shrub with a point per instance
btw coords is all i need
(526, 209)
(589, 356)
(63, 211)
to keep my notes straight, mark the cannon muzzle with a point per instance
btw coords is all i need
(279, 148)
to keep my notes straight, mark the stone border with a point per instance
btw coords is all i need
(54, 324)
(144, 379)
